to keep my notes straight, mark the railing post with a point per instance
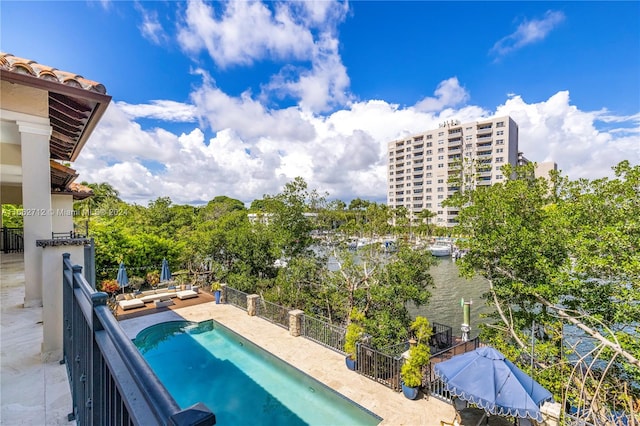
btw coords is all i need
(90, 263)
(252, 304)
(223, 293)
(97, 380)
(295, 322)
(196, 415)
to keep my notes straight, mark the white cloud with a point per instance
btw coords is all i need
(322, 87)
(247, 116)
(527, 33)
(448, 94)
(294, 34)
(555, 130)
(160, 110)
(245, 32)
(256, 150)
(150, 27)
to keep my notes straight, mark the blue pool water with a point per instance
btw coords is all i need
(240, 382)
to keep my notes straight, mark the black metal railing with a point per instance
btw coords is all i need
(434, 384)
(65, 235)
(236, 298)
(441, 337)
(378, 366)
(276, 314)
(11, 240)
(324, 333)
(111, 383)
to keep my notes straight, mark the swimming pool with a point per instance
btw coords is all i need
(240, 382)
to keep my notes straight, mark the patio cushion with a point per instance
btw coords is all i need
(131, 304)
(156, 296)
(186, 294)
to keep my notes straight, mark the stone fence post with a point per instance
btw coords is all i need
(223, 293)
(252, 302)
(295, 322)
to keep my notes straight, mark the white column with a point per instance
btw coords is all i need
(36, 201)
(52, 323)
(62, 218)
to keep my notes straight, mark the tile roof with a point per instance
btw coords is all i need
(76, 104)
(19, 65)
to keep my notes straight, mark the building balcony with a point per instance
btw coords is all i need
(33, 392)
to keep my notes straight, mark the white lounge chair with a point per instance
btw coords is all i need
(131, 304)
(186, 294)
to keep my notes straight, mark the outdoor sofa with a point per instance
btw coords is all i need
(138, 299)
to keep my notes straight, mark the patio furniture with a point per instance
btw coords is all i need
(484, 377)
(186, 294)
(162, 303)
(130, 304)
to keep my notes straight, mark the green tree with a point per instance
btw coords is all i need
(379, 286)
(12, 216)
(562, 259)
(287, 223)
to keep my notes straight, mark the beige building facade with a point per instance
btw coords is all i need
(425, 169)
(46, 117)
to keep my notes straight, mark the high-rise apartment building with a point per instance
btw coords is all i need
(426, 168)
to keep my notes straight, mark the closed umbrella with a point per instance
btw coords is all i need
(122, 279)
(486, 378)
(165, 273)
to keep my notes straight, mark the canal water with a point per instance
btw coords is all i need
(444, 306)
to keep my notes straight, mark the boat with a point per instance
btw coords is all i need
(458, 253)
(440, 248)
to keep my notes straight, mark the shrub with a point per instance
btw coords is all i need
(419, 354)
(109, 286)
(354, 333)
(153, 278)
(135, 283)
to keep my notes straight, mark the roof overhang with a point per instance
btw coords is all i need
(75, 103)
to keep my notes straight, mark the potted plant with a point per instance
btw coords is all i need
(215, 289)
(352, 336)
(419, 354)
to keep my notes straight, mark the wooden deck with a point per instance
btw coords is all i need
(149, 308)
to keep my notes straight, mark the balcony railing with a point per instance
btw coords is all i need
(11, 240)
(111, 383)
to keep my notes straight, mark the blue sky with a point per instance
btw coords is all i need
(239, 98)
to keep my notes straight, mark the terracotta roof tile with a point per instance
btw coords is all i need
(18, 65)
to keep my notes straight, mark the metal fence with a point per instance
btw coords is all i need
(441, 338)
(378, 366)
(279, 315)
(236, 298)
(111, 383)
(11, 240)
(324, 333)
(435, 385)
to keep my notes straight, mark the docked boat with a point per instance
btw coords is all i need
(440, 248)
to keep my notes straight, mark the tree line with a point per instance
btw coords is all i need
(562, 258)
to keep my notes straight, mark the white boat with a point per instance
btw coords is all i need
(440, 249)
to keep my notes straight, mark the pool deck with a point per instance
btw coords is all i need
(33, 392)
(319, 362)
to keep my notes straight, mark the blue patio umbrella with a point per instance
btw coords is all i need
(165, 273)
(486, 378)
(121, 278)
